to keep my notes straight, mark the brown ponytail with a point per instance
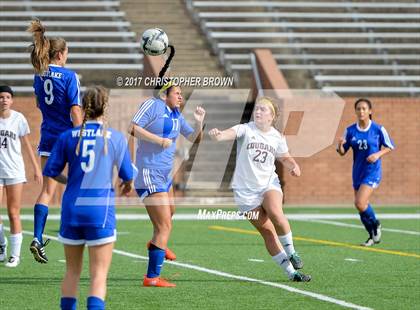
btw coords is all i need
(94, 102)
(40, 47)
(43, 50)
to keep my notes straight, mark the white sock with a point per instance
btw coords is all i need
(2, 239)
(287, 243)
(283, 261)
(15, 244)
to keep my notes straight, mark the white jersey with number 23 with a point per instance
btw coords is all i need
(256, 154)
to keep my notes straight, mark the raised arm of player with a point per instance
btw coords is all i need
(290, 163)
(199, 115)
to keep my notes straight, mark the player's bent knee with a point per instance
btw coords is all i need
(360, 204)
(267, 234)
(45, 196)
(278, 220)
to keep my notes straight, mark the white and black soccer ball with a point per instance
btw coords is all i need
(154, 42)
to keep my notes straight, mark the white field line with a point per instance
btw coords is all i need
(236, 277)
(257, 260)
(195, 216)
(242, 278)
(352, 260)
(401, 231)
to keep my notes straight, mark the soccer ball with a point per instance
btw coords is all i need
(154, 42)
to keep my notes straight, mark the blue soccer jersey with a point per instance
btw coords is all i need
(365, 142)
(56, 90)
(156, 117)
(88, 200)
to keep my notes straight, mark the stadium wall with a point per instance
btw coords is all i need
(326, 177)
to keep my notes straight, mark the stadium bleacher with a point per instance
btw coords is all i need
(97, 34)
(334, 43)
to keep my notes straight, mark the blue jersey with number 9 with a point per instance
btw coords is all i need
(56, 90)
(88, 200)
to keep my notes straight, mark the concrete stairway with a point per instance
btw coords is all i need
(100, 43)
(193, 56)
(208, 164)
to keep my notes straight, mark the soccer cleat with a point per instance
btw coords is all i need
(3, 251)
(377, 233)
(157, 282)
(12, 262)
(169, 255)
(300, 277)
(368, 242)
(296, 261)
(38, 250)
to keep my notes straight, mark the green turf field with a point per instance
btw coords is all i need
(224, 265)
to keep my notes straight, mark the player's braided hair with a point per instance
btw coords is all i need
(367, 101)
(95, 103)
(43, 50)
(162, 80)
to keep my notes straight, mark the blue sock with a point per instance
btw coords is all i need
(365, 220)
(371, 214)
(68, 303)
(156, 258)
(372, 217)
(368, 218)
(40, 217)
(95, 303)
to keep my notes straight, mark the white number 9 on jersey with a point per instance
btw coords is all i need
(87, 151)
(48, 89)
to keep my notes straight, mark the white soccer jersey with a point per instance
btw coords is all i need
(11, 160)
(256, 154)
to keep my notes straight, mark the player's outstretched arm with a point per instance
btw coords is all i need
(225, 135)
(290, 163)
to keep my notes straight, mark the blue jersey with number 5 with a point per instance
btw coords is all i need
(88, 200)
(56, 90)
(365, 142)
